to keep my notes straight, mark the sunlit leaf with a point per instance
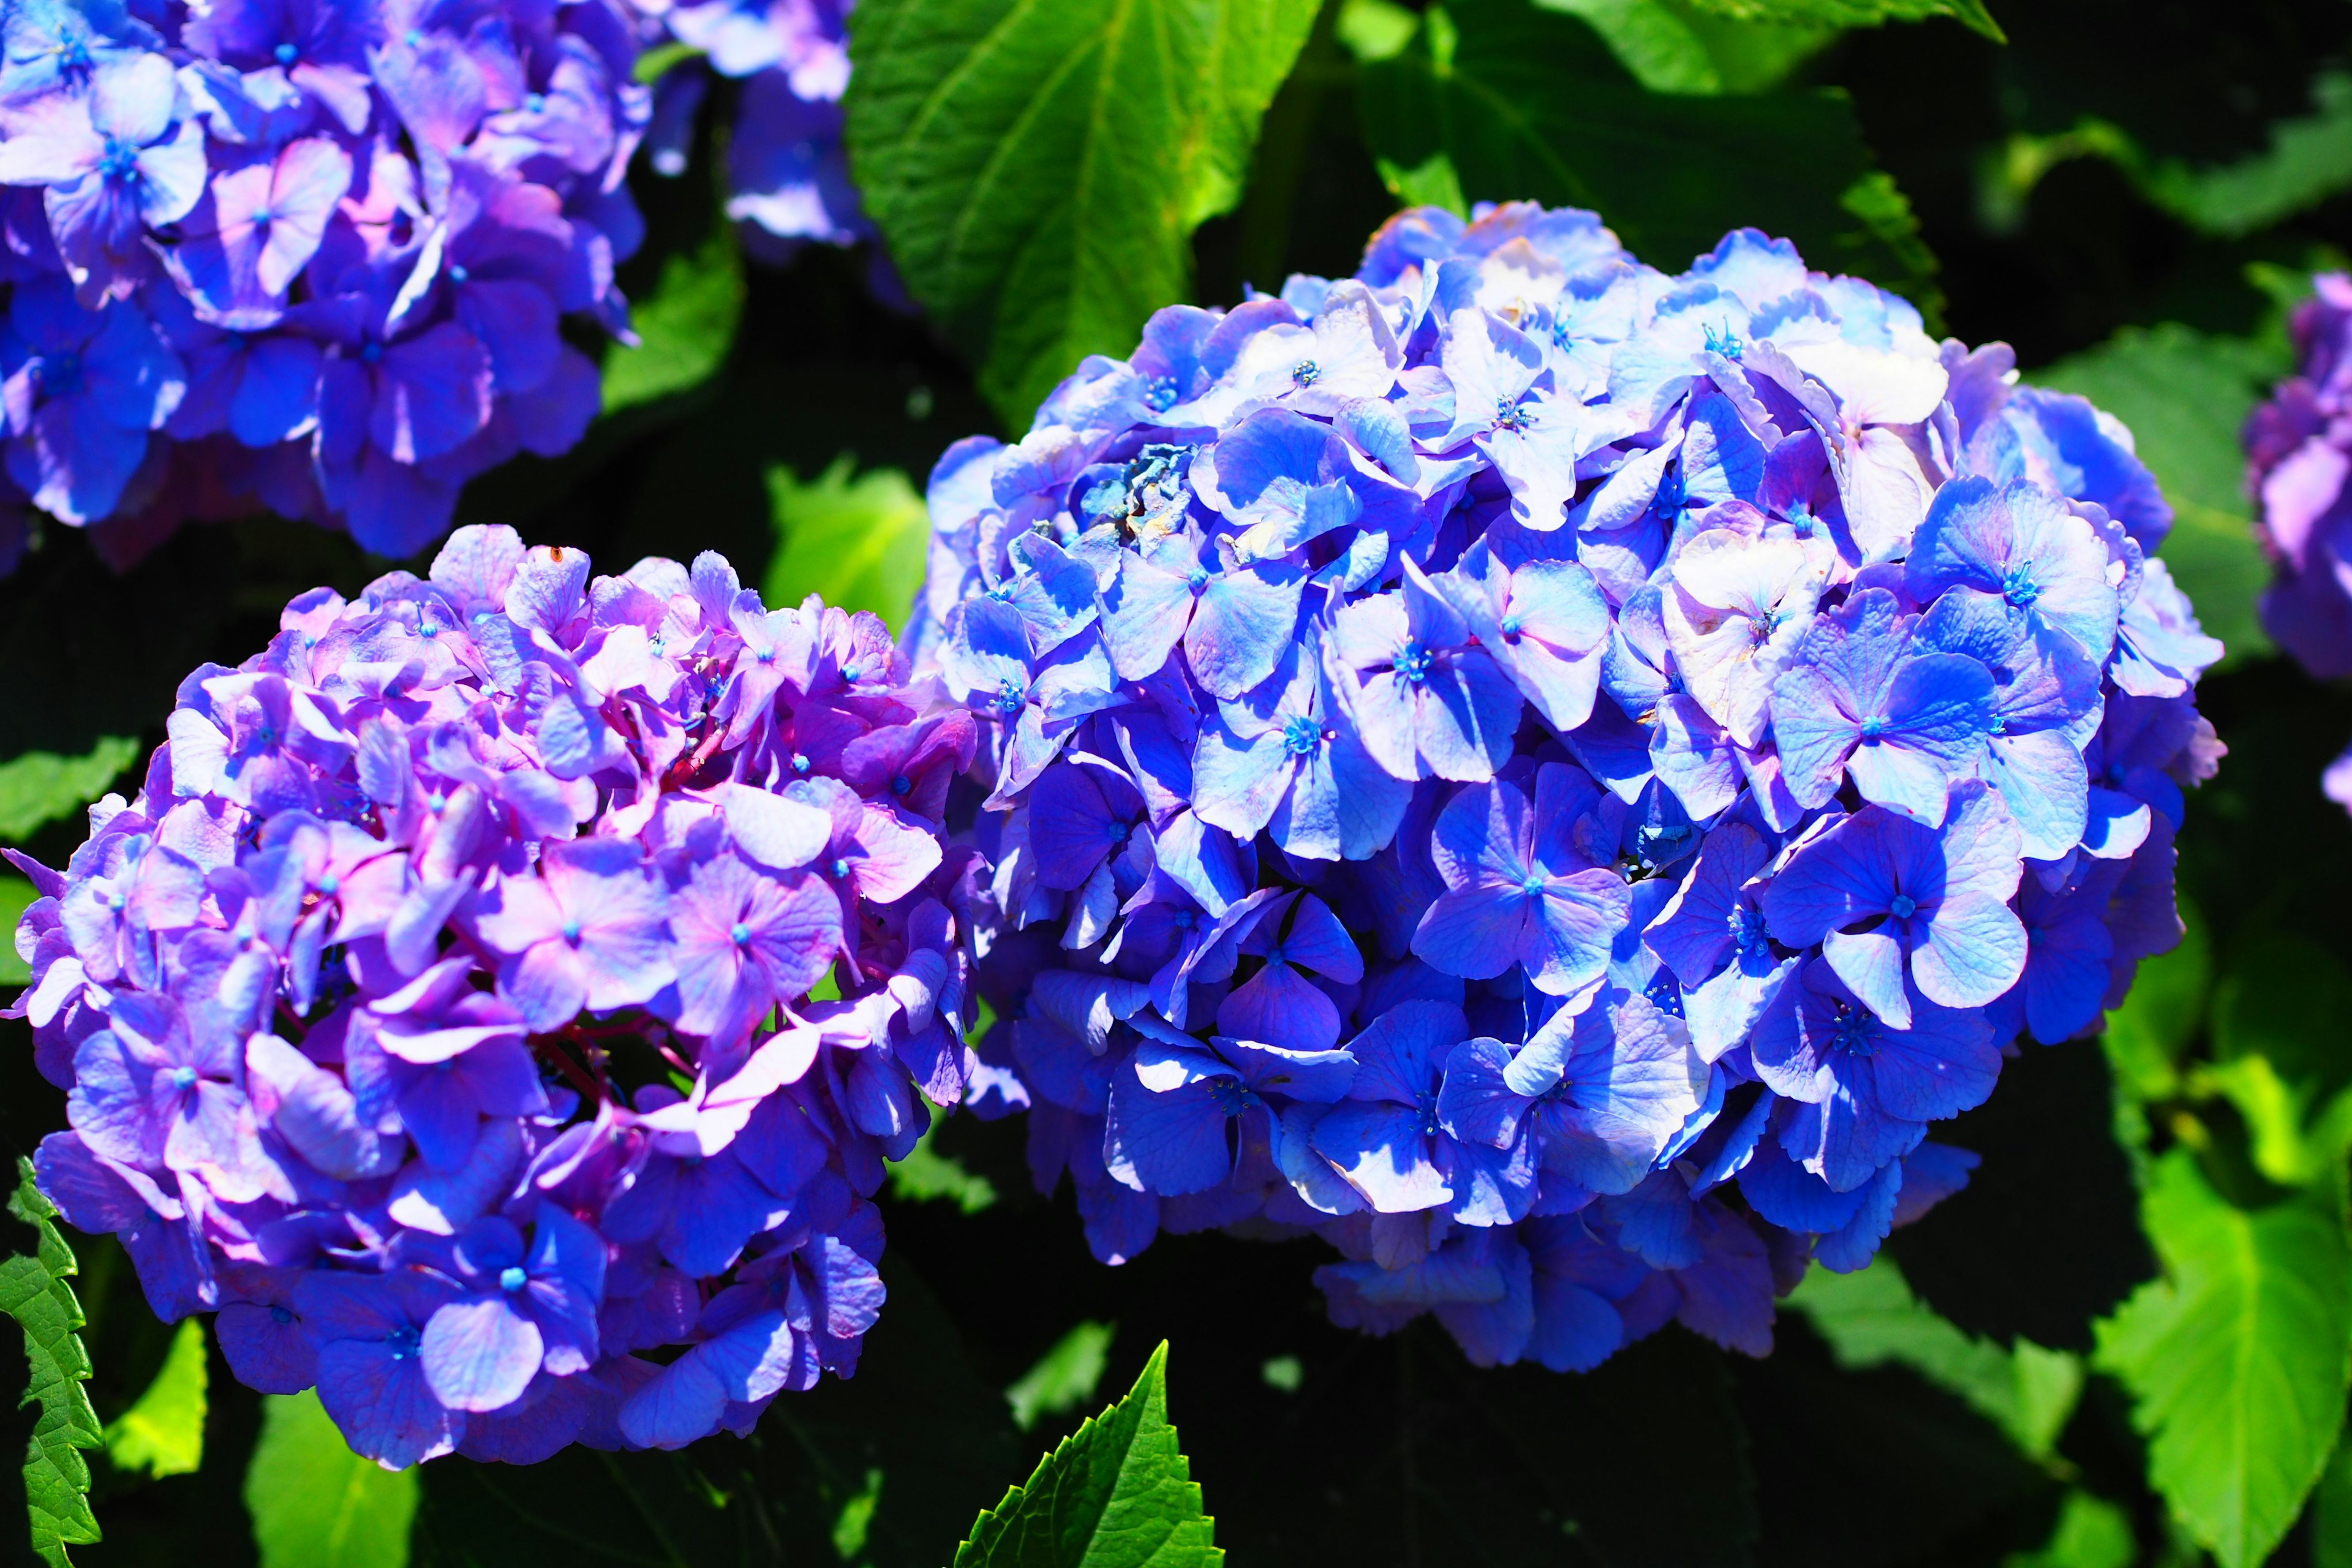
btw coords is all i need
(925, 1174)
(1065, 1376)
(38, 787)
(1970, 14)
(2091, 1532)
(686, 328)
(316, 1504)
(1870, 1318)
(1117, 1493)
(15, 894)
(860, 542)
(1038, 170)
(34, 1292)
(2237, 1360)
(164, 1433)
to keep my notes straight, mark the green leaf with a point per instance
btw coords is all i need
(1117, 1493)
(1065, 1376)
(1529, 104)
(2309, 160)
(2184, 394)
(38, 787)
(2277, 1038)
(164, 1433)
(2331, 1513)
(685, 329)
(1374, 29)
(2091, 1532)
(1870, 1318)
(1670, 46)
(1970, 14)
(656, 62)
(1038, 170)
(316, 1504)
(15, 894)
(2166, 1008)
(34, 1292)
(861, 543)
(926, 1174)
(2237, 1359)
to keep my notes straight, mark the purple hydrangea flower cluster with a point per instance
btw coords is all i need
(306, 256)
(506, 976)
(2299, 454)
(1551, 775)
(788, 174)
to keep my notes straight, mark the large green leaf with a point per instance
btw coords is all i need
(1522, 103)
(1669, 47)
(860, 542)
(2237, 1359)
(2331, 1513)
(1038, 170)
(164, 1433)
(685, 329)
(38, 787)
(2184, 394)
(34, 1292)
(1117, 1493)
(1871, 1318)
(1855, 13)
(316, 1504)
(1064, 1378)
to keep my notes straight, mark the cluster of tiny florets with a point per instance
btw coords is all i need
(303, 256)
(501, 1000)
(2299, 454)
(1551, 774)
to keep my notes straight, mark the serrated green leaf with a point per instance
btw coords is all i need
(34, 1292)
(316, 1504)
(1970, 14)
(1065, 1376)
(2165, 1010)
(1038, 170)
(2091, 1532)
(1530, 104)
(926, 1174)
(2184, 394)
(2237, 1359)
(860, 542)
(1117, 1493)
(38, 788)
(15, 894)
(685, 329)
(1870, 1318)
(164, 1433)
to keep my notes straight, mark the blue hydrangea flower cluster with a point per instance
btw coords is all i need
(787, 173)
(501, 1000)
(2299, 454)
(1549, 774)
(306, 256)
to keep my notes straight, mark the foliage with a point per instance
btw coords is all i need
(683, 330)
(857, 542)
(164, 1433)
(37, 787)
(2238, 1359)
(1064, 1378)
(1040, 169)
(316, 1504)
(1117, 1493)
(34, 1292)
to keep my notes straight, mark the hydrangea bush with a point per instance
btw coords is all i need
(2298, 451)
(1549, 774)
(500, 1000)
(788, 177)
(308, 256)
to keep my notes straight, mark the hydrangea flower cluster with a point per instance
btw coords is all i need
(1551, 775)
(788, 174)
(308, 255)
(502, 998)
(2299, 452)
